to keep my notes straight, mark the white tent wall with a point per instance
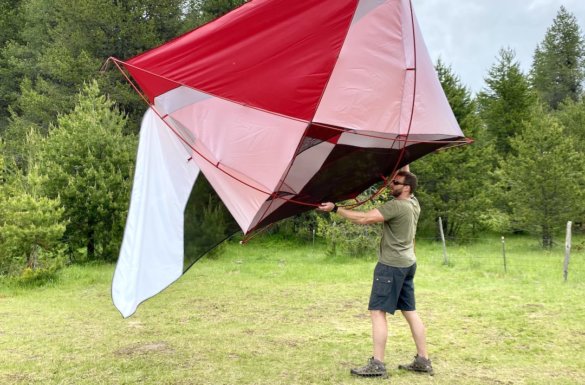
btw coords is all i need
(152, 254)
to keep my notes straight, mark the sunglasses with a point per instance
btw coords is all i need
(398, 183)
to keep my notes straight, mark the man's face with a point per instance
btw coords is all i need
(397, 185)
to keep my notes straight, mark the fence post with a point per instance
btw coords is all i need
(504, 254)
(567, 251)
(445, 258)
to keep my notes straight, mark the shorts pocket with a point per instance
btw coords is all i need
(382, 285)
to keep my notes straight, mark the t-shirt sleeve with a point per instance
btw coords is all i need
(388, 210)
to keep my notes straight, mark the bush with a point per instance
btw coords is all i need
(30, 234)
(348, 239)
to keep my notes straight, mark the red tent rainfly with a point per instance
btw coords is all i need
(284, 104)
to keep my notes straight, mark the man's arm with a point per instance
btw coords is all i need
(357, 217)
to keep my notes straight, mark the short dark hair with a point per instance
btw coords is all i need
(409, 179)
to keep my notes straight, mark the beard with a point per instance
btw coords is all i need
(396, 193)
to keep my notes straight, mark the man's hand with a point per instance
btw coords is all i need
(326, 207)
(357, 217)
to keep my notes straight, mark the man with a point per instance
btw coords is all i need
(393, 287)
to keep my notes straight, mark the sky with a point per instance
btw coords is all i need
(468, 34)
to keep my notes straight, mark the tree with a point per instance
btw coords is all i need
(348, 239)
(571, 115)
(558, 68)
(10, 21)
(31, 229)
(208, 10)
(88, 161)
(506, 102)
(453, 183)
(60, 44)
(543, 179)
(31, 225)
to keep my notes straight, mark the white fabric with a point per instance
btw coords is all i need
(151, 257)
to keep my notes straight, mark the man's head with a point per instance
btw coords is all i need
(403, 184)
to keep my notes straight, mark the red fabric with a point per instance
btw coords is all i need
(243, 55)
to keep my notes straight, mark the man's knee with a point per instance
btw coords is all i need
(412, 317)
(376, 314)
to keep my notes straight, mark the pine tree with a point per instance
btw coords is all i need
(31, 224)
(212, 9)
(89, 161)
(558, 68)
(453, 182)
(543, 179)
(572, 116)
(506, 102)
(61, 44)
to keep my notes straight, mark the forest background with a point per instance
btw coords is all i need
(68, 137)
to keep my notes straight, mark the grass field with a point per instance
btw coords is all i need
(278, 312)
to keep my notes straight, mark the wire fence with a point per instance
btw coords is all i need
(515, 256)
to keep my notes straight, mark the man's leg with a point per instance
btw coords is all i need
(375, 366)
(379, 333)
(417, 328)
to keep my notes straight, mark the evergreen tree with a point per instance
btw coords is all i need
(571, 114)
(543, 179)
(558, 68)
(453, 182)
(88, 161)
(506, 101)
(61, 44)
(31, 224)
(31, 229)
(208, 10)
(10, 22)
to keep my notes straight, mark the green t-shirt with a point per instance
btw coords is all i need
(400, 220)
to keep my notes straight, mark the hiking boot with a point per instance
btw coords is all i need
(374, 368)
(420, 365)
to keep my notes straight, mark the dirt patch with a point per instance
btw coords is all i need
(142, 349)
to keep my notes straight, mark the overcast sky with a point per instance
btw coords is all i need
(467, 34)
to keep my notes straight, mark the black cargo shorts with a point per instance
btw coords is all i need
(393, 288)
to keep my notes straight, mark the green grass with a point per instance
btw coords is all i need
(278, 312)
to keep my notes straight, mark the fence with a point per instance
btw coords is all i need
(516, 255)
(509, 257)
